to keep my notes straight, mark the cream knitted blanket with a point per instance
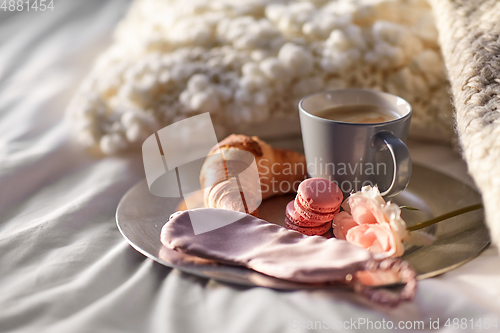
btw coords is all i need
(469, 34)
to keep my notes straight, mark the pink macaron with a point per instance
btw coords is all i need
(297, 219)
(312, 216)
(319, 196)
(308, 231)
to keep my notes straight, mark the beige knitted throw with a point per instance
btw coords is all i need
(470, 41)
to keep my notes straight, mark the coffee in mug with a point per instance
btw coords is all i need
(355, 137)
(359, 113)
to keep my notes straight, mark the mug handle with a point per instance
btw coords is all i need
(401, 159)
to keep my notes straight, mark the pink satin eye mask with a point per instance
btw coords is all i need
(266, 248)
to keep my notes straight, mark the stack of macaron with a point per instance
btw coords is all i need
(317, 202)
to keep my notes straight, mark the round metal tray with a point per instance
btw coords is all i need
(141, 215)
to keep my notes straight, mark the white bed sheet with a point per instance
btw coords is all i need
(64, 267)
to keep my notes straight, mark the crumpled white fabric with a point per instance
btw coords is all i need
(64, 266)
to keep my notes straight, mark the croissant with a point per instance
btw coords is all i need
(228, 179)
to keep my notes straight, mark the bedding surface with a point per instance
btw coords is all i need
(64, 267)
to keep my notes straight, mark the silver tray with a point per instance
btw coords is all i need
(141, 215)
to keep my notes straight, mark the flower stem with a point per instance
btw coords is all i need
(444, 217)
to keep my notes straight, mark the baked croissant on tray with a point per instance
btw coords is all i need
(229, 182)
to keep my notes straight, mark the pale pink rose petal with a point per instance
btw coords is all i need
(363, 214)
(342, 223)
(365, 209)
(381, 239)
(368, 238)
(355, 234)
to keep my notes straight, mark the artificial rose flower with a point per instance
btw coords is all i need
(376, 238)
(370, 222)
